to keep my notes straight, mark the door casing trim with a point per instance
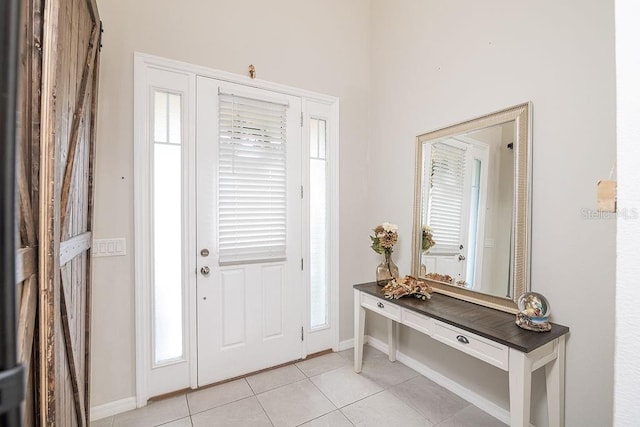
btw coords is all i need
(142, 207)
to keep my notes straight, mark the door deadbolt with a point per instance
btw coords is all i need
(204, 252)
(205, 271)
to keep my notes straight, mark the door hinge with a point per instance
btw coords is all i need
(301, 333)
(301, 263)
(302, 192)
(301, 119)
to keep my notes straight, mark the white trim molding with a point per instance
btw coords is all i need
(112, 408)
(345, 345)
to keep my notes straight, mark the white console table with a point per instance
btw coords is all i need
(484, 333)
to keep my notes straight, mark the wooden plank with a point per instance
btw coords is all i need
(28, 173)
(81, 415)
(29, 408)
(27, 319)
(25, 264)
(35, 102)
(71, 248)
(49, 209)
(93, 9)
(90, 208)
(75, 127)
(26, 335)
(27, 226)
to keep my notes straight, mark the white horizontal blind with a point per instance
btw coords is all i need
(252, 192)
(446, 197)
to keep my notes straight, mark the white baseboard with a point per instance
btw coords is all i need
(112, 408)
(486, 405)
(345, 345)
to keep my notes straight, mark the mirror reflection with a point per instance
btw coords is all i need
(467, 209)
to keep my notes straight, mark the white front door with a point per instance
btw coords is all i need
(249, 244)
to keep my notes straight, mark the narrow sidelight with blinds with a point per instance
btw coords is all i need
(252, 180)
(446, 194)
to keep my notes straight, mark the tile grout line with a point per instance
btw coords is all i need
(454, 414)
(281, 386)
(389, 388)
(339, 408)
(188, 409)
(325, 396)
(188, 406)
(224, 404)
(250, 387)
(264, 410)
(415, 408)
(330, 370)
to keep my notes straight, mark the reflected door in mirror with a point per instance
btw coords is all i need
(468, 203)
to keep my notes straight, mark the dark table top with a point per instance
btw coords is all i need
(487, 322)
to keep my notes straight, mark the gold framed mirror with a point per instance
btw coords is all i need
(472, 197)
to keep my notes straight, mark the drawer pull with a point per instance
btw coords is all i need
(462, 339)
(380, 305)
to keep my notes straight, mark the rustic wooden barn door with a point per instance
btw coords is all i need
(71, 45)
(27, 181)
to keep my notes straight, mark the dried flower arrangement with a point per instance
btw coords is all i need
(384, 238)
(427, 238)
(409, 285)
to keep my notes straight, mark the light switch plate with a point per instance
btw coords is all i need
(109, 247)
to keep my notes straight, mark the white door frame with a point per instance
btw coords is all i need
(142, 207)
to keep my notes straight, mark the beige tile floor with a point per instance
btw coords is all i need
(323, 391)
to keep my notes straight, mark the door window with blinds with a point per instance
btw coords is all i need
(252, 180)
(447, 201)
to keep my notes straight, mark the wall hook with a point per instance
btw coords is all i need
(252, 71)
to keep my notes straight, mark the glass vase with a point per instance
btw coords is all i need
(423, 267)
(387, 270)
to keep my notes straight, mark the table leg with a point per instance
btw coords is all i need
(555, 386)
(359, 316)
(392, 339)
(519, 388)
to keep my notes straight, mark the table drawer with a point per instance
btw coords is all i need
(474, 345)
(380, 306)
(417, 321)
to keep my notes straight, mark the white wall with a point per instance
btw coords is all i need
(323, 46)
(627, 370)
(435, 63)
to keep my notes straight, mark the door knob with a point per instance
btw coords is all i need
(461, 257)
(205, 271)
